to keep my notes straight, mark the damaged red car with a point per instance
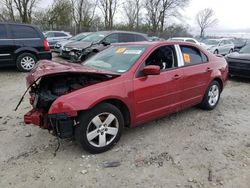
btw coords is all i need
(123, 86)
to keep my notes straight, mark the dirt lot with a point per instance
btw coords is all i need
(193, 148)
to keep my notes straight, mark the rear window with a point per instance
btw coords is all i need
(3, 33)
(23, 32)
(126, 37)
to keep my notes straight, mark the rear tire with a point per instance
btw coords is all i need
(100, 128)
(212, 96)
(25, 62)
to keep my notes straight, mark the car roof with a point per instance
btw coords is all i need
(118, 31)
(156, 43)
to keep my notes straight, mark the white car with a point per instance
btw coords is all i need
(55, 36)
(186, 39)
(219, 46)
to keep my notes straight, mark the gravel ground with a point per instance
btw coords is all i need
(191, 149)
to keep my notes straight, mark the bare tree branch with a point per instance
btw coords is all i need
(205, 20)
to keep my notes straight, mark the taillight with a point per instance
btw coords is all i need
(46, 45)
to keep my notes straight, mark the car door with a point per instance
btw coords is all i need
(223, 47)
(7, 46)
(196, 74)
(158, 95)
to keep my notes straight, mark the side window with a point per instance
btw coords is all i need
(126, 37)
(60, 35)
(204, 57)
(50, 34)
(189, 40)
(113, 38)
(191, 55)
(164, 57)
(23, 32)
(3, 32)
(140, 38)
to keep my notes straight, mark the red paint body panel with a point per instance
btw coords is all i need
(146, 97)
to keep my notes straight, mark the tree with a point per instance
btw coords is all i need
(83, 12)
(205, 19)
(7, 12)
(132, 10)
(25, 9)
(108, 8)
(159, 10)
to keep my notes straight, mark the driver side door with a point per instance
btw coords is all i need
(157, 95)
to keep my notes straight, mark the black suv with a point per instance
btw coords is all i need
(22, 45)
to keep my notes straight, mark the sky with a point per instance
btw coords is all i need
(231, 15)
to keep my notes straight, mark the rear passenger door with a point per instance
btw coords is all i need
(7, 46)
(196, 72)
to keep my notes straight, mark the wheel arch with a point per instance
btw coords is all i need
(122, 107)
(219, 80)
(26, 50)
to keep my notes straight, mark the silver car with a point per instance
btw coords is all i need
(219, 46)
(59, 45)
(55, 36)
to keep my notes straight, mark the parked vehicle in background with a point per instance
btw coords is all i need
(239, 62)
(123, 86)
(55, 36)
(22, 45)
(239, 43)
(59, 45)
(186, 39)
(97, 42)
(155, 38)
(219, 46)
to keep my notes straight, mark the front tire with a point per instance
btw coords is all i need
(26, 62)
(212, 96)
(100, 128)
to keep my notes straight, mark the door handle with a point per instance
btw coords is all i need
(176, 77)
(209, 69)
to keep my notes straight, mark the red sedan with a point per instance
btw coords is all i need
(124, 85)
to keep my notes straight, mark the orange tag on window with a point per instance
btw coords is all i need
(120, 50)
(186, 58)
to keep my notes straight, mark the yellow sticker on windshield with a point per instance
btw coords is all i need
(186, 58)
(120, 50)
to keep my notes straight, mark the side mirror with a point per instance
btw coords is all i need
(151, 70)
(105, 43)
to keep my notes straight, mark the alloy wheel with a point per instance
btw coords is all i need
(213, 95)
(102, 129)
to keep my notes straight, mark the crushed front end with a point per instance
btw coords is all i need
(45, 91)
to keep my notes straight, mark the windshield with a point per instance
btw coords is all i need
(95, 37)
(117, 59)
(245, 50)
(212, 42)
(79, 36)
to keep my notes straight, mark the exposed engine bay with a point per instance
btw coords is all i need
(48, 89)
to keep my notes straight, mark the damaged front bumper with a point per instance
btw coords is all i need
(61, 124)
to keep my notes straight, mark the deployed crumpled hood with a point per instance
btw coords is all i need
(78, 44)
(46, 68)
(240, 56)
